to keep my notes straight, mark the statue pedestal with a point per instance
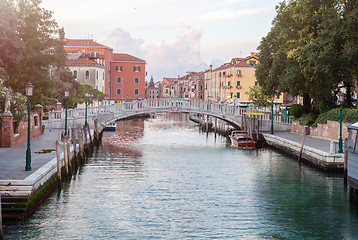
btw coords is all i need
(7, 131)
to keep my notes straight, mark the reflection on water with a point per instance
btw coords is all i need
(162, 178)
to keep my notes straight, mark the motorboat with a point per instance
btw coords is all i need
(242, 140)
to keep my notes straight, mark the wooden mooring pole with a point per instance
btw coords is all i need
(303, 143)
(58, 156)
(1, 232)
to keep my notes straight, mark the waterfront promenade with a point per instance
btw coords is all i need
(13, 159)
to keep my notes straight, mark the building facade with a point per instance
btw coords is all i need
(127, 81)
(231, 82)
(86, 70)
(97, 52)
(152, 90)
(120, 76)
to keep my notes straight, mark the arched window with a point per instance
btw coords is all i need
(87, 74)
(75, 74)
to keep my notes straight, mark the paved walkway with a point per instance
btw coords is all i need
(13, 160)
(317, 143)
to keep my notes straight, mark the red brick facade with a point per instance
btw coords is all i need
(11, 137)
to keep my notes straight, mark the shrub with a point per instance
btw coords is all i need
(296, 110)
(349, 116)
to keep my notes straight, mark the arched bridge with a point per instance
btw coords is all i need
(105, 114)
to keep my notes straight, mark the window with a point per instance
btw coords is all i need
(96, 74)
(118, 91)
(136, 91)
(136, 69)
(201, 87)
(136, 80)
(119, 79)
(75, 74)
(87, 74)
(239, 73)
(238, 83)
(256, 83)
(181, 88)
(229, 83)
(237, 95)
(166, 90)
(119, 68)
(252, 63)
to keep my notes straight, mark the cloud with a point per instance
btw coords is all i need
(163, 59)
(172, 59)
(122, 41)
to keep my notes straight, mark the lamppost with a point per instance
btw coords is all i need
(272, 97)
(340, 143)
(67, 93)
(87, 94)
(28, 89)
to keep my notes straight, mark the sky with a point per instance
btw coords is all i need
(173, 36)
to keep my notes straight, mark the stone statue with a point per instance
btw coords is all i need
(7, 104)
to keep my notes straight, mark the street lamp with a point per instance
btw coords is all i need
(67, 93)
(272, 97)
(87, 94)
(28, 89)
(340, 143)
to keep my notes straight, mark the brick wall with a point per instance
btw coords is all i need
(327, 131)
(9, 138)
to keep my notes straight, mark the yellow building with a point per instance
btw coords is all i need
(231, 81)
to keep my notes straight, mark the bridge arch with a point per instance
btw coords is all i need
(105, 114)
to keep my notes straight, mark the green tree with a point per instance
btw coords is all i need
(10, 48)
(38, 34)
(258, 97)
(306, 51)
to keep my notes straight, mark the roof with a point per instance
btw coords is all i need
(84, 43)
(82, 61)
(124, 57)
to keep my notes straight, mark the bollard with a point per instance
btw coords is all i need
(332, 147)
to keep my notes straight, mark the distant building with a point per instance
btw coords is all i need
(94, 51)
(86, 70)
(190, 86)
(231, 81)
(127, 77)
(120, 76)
(152, 89)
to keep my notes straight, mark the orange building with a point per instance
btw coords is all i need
(124, 74)
(127, 77)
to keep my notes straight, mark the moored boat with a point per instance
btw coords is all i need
(110, 127)
(242, 139)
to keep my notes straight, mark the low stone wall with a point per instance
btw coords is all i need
(328, 131)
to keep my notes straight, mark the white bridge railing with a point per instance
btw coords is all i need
(109, 113)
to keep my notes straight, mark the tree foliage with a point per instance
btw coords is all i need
(258, 97)
(34, 36)
(305, 53)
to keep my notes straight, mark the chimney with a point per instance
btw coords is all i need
(211, 67)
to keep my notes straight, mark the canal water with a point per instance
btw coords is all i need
(164, 179)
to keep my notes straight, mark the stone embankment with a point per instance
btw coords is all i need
(22, 191)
